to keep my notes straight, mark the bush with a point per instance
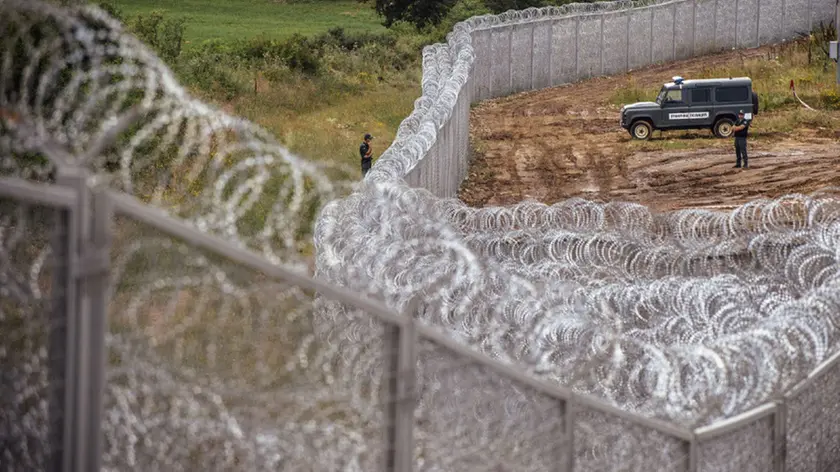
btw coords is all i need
(164, 35)
(830, 99)
(210, 68)
(771, 101)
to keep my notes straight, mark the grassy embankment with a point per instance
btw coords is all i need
(780, 114)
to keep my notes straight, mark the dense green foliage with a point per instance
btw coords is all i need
(418, 12)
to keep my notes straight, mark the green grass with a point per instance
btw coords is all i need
(328, 125)
(246, 19)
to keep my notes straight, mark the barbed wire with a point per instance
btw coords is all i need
(690, 316)
(657, 315)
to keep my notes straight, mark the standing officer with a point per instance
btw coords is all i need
(742, 126)
(366, 152)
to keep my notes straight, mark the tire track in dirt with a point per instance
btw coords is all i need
(559, 143)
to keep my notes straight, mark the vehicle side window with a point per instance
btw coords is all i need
(732, 94)
(700, 96)
(674, 96)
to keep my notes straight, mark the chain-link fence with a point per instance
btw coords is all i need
(494, 56)
(194, 340)
(132, 341)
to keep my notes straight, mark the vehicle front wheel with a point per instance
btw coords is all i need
(641, 130)
(723, 128)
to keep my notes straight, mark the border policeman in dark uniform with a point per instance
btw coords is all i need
(742, 127)
(366, 152)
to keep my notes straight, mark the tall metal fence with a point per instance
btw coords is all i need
(134, 340)
(224, 365)
(497, 55)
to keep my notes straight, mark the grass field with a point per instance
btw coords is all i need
(321, 116)
(331, 131)
(245, 19)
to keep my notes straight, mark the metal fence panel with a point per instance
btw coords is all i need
(725, 29)
(589, 47)
(663, 34)
(471, 418)
(705, 38)
(607, 442)
(500, 64)
(563, 47)
(747, 29)
(218, 363)
(482, 72)
(822, 12)
(216, 366)
(684, 26)
(615, 42)
(450, 173)
(440, 176)
(796, 18)
(812, 426)
(748, 448)
(521, 57)
(463, 136)
(770, 23)
(542, 54)
(36, 290)
(640, 39)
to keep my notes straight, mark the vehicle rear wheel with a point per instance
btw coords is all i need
(723, 128)
(641, 130)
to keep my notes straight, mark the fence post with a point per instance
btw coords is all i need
(89, 273)
(510, 58)
(62, 334)
(531, 52)
(737, 24)
(629, 14)
(694, 28)
(693, 452)
(758, 23)
(674, 32)
(601, 53)
(780, 436)
(652, 18)
(577, 45)
(96, 260)
(837, 34)
(551, 53)
(783, 31)
(569, 427)
(714, 30)
(400, 363)
(810, 17)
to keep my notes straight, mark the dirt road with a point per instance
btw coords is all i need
(558, 143)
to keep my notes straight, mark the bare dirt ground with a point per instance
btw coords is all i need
(558, 143)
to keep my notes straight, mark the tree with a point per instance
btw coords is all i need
(500, 6)
(418, 12)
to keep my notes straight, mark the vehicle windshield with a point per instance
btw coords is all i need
(661, 96)
(669, 95)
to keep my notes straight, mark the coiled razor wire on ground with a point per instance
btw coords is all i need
(689, 316)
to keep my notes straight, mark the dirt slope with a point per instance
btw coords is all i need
(558, 143)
